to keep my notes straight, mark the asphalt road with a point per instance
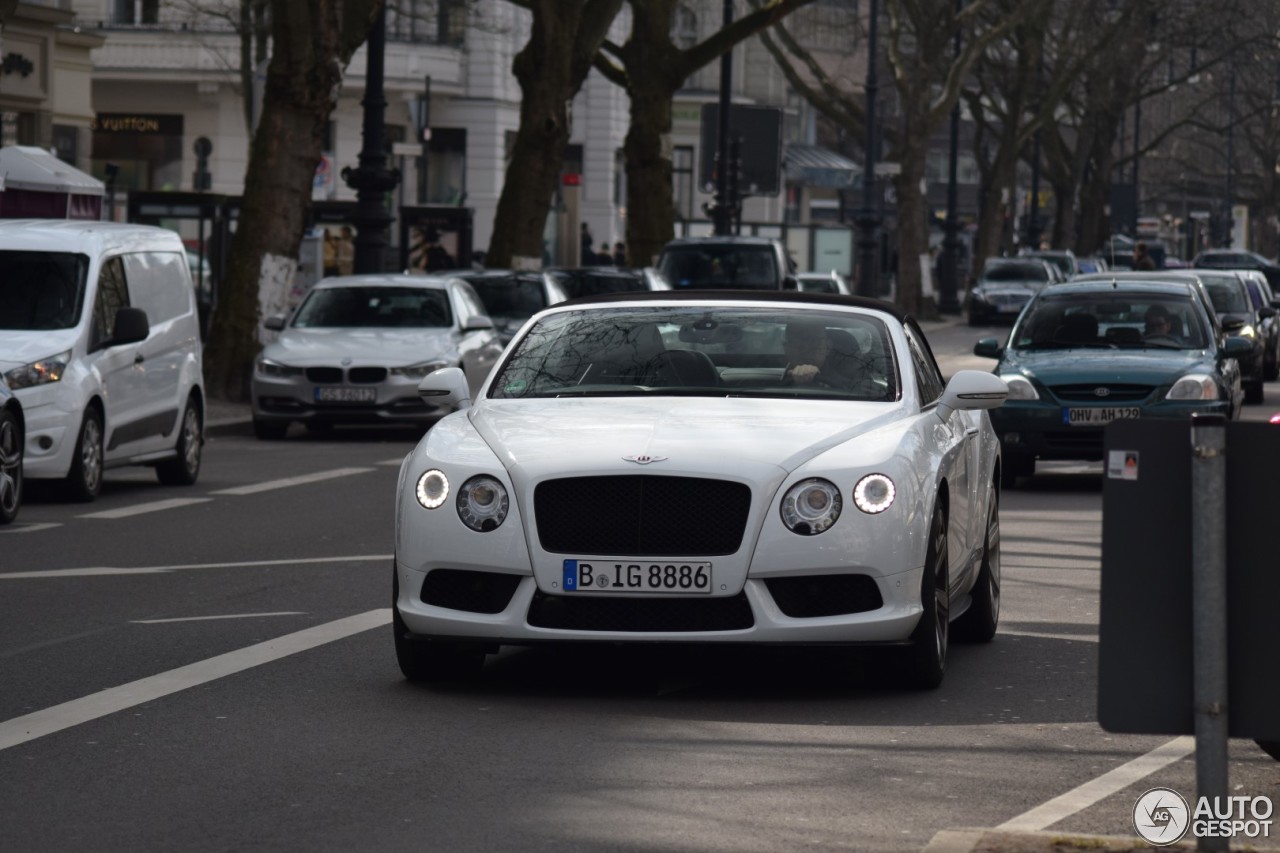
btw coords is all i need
(211, 668)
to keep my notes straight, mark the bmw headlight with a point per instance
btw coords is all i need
(433, 489)
(40, 372)
(874, 493)
(483, 503)
(267, 367)
(418, 371)
(1020, 387)
(811, 506)
(1194, 386)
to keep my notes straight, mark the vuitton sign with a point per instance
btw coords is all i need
(143, 124)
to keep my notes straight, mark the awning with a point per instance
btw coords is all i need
(25, 167)
(815, 166)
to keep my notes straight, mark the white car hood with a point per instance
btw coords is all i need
(23, 347)
(743, 438)
(394, 347)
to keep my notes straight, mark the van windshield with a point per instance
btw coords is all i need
(731, 265)
(41, 290)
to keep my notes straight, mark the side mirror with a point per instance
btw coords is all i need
(790, 282)
(1231, 322)
(1266, 312)
(445, 387)
(988, 348)
(477, 323)
(1237, 347)
(972, 389)
(274, 323)
(131, 326)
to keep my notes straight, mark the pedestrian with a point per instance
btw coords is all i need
(330, 253)
(588, 256)
(346, 253)
(619, 255)
(1142, 259)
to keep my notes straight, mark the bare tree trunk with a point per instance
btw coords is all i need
(913, 238)
(313, 42)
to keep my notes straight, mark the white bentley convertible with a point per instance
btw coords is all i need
(684, 466)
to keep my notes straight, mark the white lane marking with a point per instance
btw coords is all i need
(50, 720)
(396, 462)
(151, 570)
(210, 618)
(291, 481)
(29, 528)
(140, 509)
(1096, 790)
(1084, 638)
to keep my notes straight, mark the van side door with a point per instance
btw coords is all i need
(119, 366)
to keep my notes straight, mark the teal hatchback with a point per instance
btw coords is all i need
(1083, 354)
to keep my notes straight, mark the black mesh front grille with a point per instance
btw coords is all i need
(640, 615)
(641, 515)
(475, 592)
(324, 374)
(1115, 393)
(366, 375)
(824, 595)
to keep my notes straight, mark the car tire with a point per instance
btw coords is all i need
(270, 430)
(84, 480)
(1014, 466)
(10, 466)
(431, 660)
(927, 654)
(1270, 747)
(185, 467)
(978, 624)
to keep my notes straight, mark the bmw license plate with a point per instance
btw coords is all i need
(652, 576)
(1097, 415)
(342, 394)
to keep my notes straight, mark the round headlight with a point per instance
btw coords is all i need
(433, 489)
(811, 506)
(482, 503)
(874, 493)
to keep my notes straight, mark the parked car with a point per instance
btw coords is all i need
(1063, 259)
(824, 282)
(11, 441)
(101, 341)
(779, 505)
(1235, 311)
(510, 298)
(1087, 352)
(595, 281)
(1263, 298)
(1238, 259)
(355, 349)
(1004, 286)
(739, 263)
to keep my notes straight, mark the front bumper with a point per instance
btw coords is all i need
(394, 400)
(52, 413)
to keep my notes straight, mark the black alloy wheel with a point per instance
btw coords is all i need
(927, 655)
(184, 468)
(978, 624)
(84, 480)
(10, 466)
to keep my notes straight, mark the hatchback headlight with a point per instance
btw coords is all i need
(1020, 387)
(483, 503)
(267, 367)
(40, 372)
(874, 493)
(811, 506)
(1194, 386)
(418, 371)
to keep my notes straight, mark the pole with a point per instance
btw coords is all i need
(1033, 216)
(948, 263)
(724, 213)
(424, 136)
(371, 179)
(868, 219)
(1137, 130)
(1209, 609)
(1230, 202)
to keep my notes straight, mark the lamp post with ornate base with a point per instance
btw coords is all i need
(948, 274)
(868, 218)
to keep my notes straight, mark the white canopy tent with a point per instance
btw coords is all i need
(35, 184)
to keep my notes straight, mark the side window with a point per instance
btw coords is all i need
(113, 294)
(928, 377)
(472, 302)
(159, 283)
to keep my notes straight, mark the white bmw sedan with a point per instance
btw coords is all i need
(716, 466)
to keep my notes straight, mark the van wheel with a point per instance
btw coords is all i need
(185, 467)
(270, 430)
(84, 480)
(10, 466)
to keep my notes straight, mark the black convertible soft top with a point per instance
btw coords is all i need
(764, 297)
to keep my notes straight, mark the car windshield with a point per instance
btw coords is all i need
(580, 283)
(1024, 273)
(1227, 261)
(701, 350)
(509, 297)
(1228, 297)
(1112, 319)
(41, 290)
(1062, 262)
(750, 267)
(374, 307)
(818, 284)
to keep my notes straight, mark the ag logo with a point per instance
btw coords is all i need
(1161, 816)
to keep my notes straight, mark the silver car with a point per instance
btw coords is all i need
(357, 346)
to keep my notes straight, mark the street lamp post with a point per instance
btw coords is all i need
(868, 218)
(372, 179)
(724, 205)
(948, 274)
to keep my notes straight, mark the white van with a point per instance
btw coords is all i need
(100, 341)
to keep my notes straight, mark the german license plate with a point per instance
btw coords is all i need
(1097, 415)
(652, 576)
(341, 394)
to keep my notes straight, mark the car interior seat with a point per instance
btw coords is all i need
(1077, 329)
(682, 367)
(624, 356)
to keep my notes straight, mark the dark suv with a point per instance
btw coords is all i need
(718, 263)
